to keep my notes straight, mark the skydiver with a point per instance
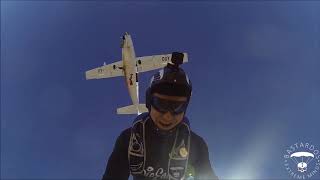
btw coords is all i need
(160, 144)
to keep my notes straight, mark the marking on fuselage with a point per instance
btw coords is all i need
(130, 79)
(165, 58)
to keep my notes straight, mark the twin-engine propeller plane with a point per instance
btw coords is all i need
(130, 66)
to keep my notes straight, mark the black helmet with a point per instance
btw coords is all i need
(172, 81)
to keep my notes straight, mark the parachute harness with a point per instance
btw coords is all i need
(178, 157)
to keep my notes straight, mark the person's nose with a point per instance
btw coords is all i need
(167, 116)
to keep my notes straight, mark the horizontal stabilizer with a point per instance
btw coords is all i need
(132, 109)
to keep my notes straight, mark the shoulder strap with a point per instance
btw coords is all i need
(136, 149)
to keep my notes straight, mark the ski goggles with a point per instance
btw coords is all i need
(163, 105)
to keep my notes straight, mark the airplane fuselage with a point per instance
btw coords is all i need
(130, 68)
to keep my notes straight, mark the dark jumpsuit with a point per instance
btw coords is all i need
(158, 147)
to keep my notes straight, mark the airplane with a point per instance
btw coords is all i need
(129, 67)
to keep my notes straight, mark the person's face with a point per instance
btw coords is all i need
(167, 120)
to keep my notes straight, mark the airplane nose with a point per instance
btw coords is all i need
(125, 34)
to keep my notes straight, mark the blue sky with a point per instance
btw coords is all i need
(254, 68)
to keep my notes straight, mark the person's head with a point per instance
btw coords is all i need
(168, 97)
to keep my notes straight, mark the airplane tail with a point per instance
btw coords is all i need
(132, 109)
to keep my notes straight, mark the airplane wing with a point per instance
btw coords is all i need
(148, 63)
(106, 71)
